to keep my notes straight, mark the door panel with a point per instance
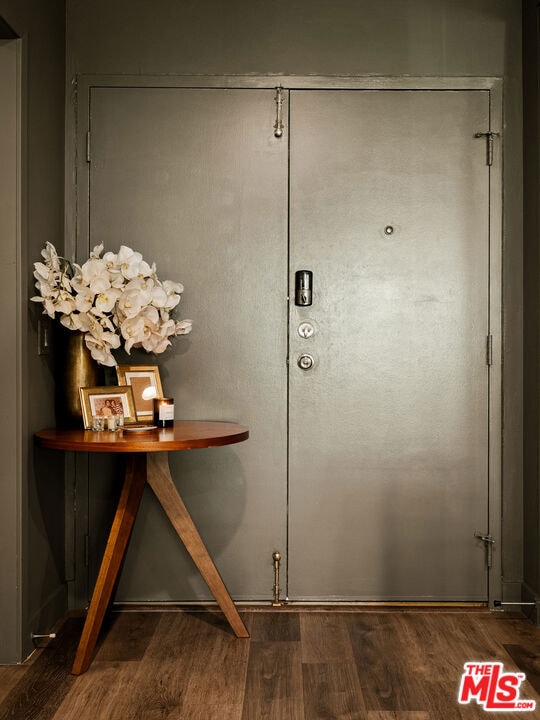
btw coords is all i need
(196, 181)
(389, 429)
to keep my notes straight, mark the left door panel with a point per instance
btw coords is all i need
(195, 180)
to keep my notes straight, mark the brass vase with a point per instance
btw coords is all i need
(75, 368)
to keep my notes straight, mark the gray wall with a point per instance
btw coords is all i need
(34, 596)
(323, 37)
(342, 37)
(326, 37)
(531, 128)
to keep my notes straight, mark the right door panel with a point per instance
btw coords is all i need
(388, 453)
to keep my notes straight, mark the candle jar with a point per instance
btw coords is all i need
(114, 422)
(98, 422)
(164, 412)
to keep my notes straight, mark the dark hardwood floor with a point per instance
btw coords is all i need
(312, 664)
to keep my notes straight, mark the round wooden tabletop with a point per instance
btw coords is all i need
(184, 435)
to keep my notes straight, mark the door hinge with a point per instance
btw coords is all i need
(489, 350)
(489, 542)
(88, 146)
(489, 144)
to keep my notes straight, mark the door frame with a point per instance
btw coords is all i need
(77, 242)
(12, 478)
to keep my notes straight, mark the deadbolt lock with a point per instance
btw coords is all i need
(305, 362)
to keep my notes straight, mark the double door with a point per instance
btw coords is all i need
(367, 466)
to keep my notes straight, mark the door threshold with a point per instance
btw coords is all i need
(301, 606)
(378, 606)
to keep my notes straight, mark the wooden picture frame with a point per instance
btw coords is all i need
(103, 401)
(146, 384)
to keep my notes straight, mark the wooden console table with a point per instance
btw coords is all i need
(147, 462)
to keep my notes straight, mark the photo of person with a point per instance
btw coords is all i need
(107, 406)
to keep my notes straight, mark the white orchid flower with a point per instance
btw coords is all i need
(111, 298)
(131, 263)
(132, 302)
(174, 292)
(133, 331)
(95, 275)
(77, 282)
(84, 300)
(117, 280)
(140, 284)
(46, 292)
(151, 314)
(64, 303)
(159, 296)
(157, 336)
(166, 295)
(51, 257)
(106, 322)
(110, 260)
(96, 252)
(81, 321)
(183, 327)
(138, 330)
(52, 307)
(156, 343)
(100, 347)
(99, 341)
(106, 300)
(53, 300)
(173, 287)
(43, 272)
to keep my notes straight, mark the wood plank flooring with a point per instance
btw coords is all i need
(333, 664)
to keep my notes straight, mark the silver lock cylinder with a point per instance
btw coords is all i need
(305, 362)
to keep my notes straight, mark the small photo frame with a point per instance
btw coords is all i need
(145, 382)
(105, 401)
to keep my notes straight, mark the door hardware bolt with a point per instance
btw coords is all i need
(278, 125)
(277, 559)
(533, 615)
(489, 542)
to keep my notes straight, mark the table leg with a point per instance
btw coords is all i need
(160, 480)
(124, 518)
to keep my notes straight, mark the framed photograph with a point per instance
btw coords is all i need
(146, 385)
(107, 401)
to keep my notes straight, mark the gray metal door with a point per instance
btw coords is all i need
(388, 431)
(389, 426)
(196, 181)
